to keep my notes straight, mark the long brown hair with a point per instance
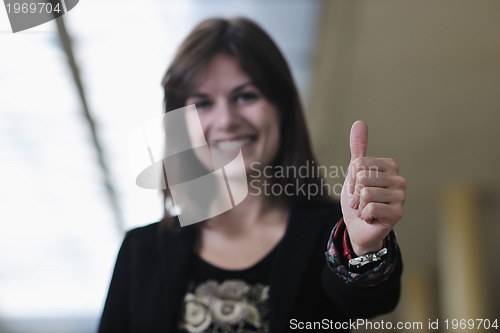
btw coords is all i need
(261, 59)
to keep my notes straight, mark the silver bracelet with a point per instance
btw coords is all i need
(367, 258)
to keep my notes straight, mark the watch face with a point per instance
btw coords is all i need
(365, 263)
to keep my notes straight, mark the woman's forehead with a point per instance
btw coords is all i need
(221, 73)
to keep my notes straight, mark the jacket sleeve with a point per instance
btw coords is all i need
(115, 317)
(367, 294)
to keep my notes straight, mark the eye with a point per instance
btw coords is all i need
(245, 97)
(203, 105)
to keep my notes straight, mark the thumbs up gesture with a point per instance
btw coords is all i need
(372, 196)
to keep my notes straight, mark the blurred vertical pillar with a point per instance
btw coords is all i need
(417, 303)
(65, 41)
(461, 264)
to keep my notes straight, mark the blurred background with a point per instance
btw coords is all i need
(424, 75)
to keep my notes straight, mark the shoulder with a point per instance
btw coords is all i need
(144, 234)
(140, 240)
(156, 230)
(150, 237)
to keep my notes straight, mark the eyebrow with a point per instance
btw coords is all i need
(234, 90)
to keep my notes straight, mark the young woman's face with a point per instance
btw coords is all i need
(235, 115)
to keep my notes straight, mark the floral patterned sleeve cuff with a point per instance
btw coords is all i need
(338, 262)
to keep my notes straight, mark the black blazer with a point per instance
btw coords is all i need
(152, 270)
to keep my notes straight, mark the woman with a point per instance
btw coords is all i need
(261, 265)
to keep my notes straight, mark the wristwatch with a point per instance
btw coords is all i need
(368, 258)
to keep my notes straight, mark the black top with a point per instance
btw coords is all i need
(151, 278)
(222, 300)
(202, 270)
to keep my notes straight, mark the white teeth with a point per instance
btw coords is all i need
(232, 145)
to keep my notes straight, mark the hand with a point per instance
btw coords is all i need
(372, 196)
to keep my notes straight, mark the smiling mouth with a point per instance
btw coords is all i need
(233, 145)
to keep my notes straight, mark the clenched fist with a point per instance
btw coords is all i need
(372, 196)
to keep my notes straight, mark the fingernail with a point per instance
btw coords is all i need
(352, 203)
(351, 188)
(358, 213)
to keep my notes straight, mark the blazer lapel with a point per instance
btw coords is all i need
(289, 270)
(176, 250)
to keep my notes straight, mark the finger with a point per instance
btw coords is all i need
(375, 164)
(380, 195)
(386, 214)
(358, 141)
(372, 164)
(369, 178)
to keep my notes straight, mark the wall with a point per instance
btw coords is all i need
(425, 76)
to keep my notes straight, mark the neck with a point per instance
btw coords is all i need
(251, 211)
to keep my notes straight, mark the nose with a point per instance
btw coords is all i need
(226, 116)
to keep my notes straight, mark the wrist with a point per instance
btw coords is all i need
(363, 250)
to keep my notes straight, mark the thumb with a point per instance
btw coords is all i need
(358, 139)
